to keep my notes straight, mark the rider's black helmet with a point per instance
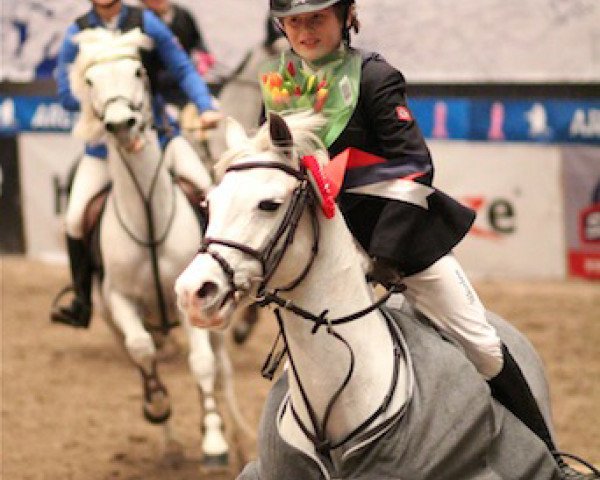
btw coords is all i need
(284, 8)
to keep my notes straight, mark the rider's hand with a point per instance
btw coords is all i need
(209, 119)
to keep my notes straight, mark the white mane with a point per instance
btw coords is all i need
(304, 127)
(97, 45)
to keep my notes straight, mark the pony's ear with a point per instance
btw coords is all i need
(281, 137)
(234, 133)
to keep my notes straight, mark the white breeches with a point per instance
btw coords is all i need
(443, 293)
(92, 175)
(184, 161)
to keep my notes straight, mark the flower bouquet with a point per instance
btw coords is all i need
(293, 88)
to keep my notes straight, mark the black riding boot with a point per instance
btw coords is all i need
(79, 312)
(511, 389)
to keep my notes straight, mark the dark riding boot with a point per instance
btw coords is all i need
(511, 389)
(79, 312)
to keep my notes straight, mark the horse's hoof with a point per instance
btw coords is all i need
(216, 461)
(156, 416)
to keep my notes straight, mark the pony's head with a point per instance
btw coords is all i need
(109, 80)
(263, 207)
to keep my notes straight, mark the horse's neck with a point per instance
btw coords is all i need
(336, 282)
(157, 193)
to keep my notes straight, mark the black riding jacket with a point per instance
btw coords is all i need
(408, 235)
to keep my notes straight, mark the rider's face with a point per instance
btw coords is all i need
(313, 35)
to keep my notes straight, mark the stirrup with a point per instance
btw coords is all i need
(78, 317)
(569, 473)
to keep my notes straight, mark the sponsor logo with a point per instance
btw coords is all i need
(591, 266)
(497, 117)
(584, 264)
(538, 121)
(585, 123)
(7, 114)
(589, 226)
(51, 115)
(403, 113)
(499, 214)
(440, 120)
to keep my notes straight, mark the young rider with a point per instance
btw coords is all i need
(92, 173)
(410, 232)
(181, 22)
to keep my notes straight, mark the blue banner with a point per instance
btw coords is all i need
(543, 121)
(34, 114)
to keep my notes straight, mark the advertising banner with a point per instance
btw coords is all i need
(505, 120)
(11, 220)
(516, 191)
(34, 114)
(582, 210)
(45, 162)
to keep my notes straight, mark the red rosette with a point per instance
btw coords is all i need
(322, 184)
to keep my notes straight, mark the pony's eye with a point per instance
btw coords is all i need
(88, 82)
(269, 205)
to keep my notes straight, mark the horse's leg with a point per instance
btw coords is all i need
(202, 363)
(141, 349)
(243, 326)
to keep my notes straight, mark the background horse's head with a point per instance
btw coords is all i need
(109, 80)
(253, 215)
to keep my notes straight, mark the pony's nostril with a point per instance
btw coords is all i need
(111, 127)
(130, 122)
(206, 290)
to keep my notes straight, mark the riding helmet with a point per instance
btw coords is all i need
(284, 8)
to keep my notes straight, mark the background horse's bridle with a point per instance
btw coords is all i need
(270, 257)
(153, 241)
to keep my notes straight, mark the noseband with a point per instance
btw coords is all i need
(132, 106)
(271, 254)
(100, 115)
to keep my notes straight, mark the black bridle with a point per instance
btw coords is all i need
(269, 257)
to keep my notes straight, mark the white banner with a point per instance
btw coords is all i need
(45, 161)
(515, 189)
(517, 194)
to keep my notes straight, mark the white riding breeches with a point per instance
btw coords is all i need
(443, 293)
(184, 161)
(91, 177)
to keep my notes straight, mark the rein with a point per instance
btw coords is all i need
(270, 257)
(152, 243)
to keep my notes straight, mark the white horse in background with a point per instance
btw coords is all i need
(148, 231)
(367, 392)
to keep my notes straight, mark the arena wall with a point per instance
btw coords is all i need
(536, 212)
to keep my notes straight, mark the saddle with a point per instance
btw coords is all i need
(95, 208)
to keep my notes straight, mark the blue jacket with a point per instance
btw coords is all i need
(169, 51)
